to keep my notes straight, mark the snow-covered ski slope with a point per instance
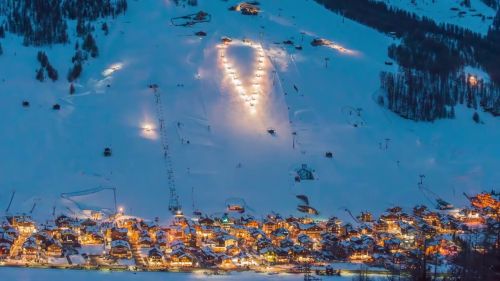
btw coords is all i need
(450, 11)
(230, 154)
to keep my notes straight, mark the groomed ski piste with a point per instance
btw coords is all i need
(220, 146)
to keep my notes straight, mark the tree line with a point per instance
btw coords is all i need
(423, 96)
(432, 57)
(423, 38)
(43, 22)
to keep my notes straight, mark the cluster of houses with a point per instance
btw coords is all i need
(243, 242)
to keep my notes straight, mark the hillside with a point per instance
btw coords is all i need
(377, 156)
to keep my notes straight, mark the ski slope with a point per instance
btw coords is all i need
(230, 153)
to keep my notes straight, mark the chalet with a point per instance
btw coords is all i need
(180, 258)
(5, 249)
(269, 226)
(365, 229)
(233, 250)
(69, 237)
(88, 223)
(206, 221)
(305, 241)
(24, 224)
(268, 254)
(252, 223)
(224, 242)
(334, 225)
(244, 259)
(286, 243)
(176, 232)
(366, 217)
(431, 218)
(42, 237)
(301, 255)
(63, 221)
(207, 257)
(392, 245)
(161, 239)
(190, 236)
(150, 226)
(145, 240)
(282, 256)
(390, 221)
(120, 249)
(91, 235)
(471, 217)
(227, 262)
(419, 210)
(53, 248)
(313, 230)
(278, 235)
(30, 249)
(360, 254)
(262, 243)
(117, 233)
(155, 257)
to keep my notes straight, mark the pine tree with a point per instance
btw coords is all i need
(104, 28)
(71, 89)
(1, 49)
(42, 58)
(90, 46)
(75, 72)
(476, 118)
(39, 75)
(52, 72)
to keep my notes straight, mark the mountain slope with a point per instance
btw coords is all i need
(230, 153)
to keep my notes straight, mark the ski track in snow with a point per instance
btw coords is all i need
(231, 155)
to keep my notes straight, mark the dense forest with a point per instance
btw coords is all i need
(432, 57)
(419, 95)
(43, 22)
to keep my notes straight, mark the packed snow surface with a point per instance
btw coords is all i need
(316, 100)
